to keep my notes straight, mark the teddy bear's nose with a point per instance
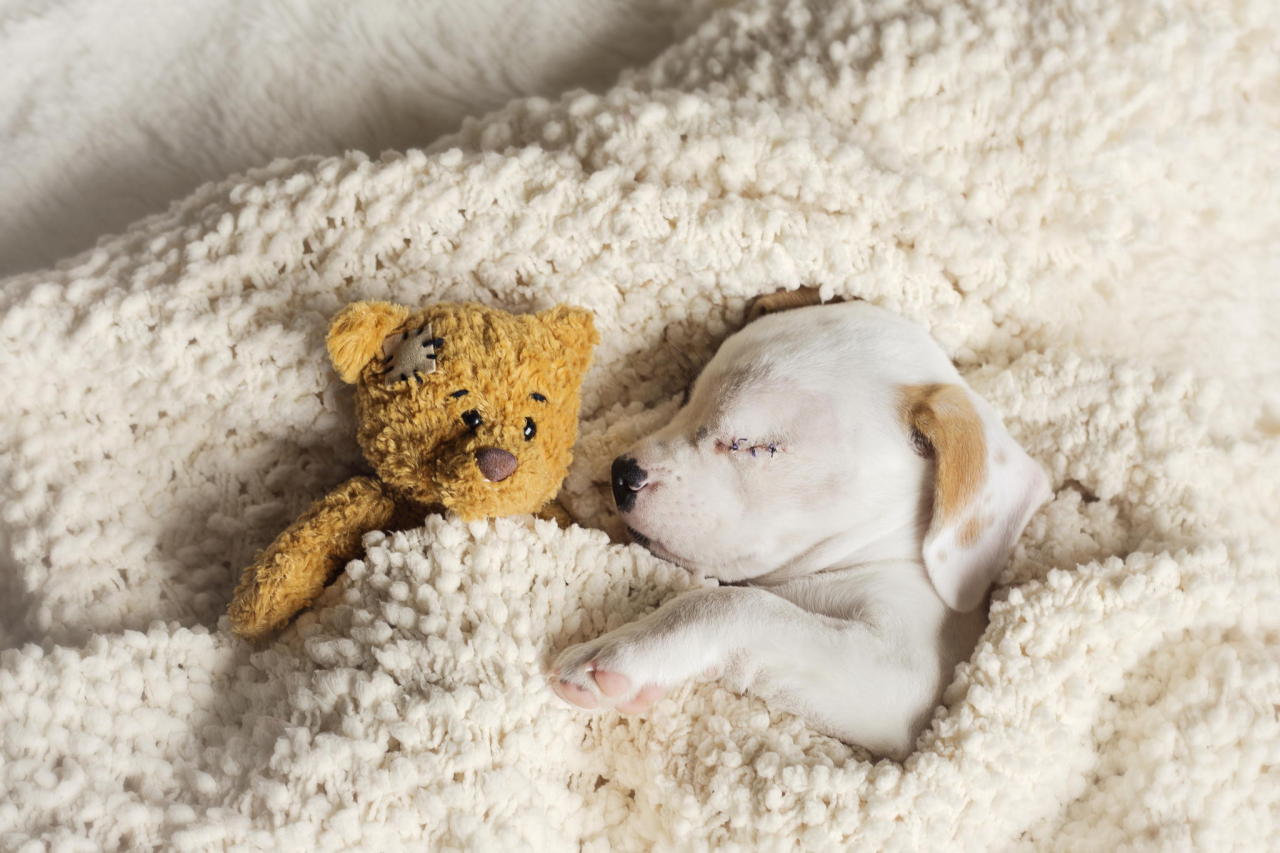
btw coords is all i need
(495, 463)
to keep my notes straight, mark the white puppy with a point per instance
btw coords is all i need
(834, 470)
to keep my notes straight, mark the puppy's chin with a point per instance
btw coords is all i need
(657, 550)
(638, 537)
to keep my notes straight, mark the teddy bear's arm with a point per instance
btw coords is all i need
(556, 511)
(294, 569)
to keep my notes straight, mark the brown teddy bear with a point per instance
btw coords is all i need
(459, 407)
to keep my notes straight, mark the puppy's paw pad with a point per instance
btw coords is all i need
(612, 684)
(643, 700)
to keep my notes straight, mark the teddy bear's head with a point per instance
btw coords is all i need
(463, 405)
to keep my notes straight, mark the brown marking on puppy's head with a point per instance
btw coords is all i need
(784, 299)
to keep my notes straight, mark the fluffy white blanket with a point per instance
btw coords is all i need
(1078, 198)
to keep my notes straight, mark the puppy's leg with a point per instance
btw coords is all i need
(844, 677)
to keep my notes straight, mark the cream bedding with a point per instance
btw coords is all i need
(1077, 198)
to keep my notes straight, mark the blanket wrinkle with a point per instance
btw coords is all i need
(1073, 196)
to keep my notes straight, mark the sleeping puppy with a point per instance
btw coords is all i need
(854, 498)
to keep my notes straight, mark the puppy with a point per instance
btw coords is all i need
(855, 500)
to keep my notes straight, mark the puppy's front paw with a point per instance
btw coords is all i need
(614, 670)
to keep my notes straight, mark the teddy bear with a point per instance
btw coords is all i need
(459, 407)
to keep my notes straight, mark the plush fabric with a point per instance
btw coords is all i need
(459, 433)
(1076, 198)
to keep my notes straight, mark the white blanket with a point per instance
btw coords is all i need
(1077, 198)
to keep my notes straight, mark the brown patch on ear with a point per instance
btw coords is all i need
(785, 300)
(945, 417)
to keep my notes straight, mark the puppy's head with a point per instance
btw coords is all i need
(826, 437)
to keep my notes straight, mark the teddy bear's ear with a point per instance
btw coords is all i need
(357, 332)
(575, 329)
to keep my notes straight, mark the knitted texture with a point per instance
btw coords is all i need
(1076, 197)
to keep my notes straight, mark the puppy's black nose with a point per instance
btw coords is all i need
(627, 478)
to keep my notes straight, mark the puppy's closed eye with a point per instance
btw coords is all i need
(749, 448)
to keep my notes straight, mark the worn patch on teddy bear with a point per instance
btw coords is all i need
(411, 354)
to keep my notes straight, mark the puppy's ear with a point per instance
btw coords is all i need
(985, 489)
(357, 332)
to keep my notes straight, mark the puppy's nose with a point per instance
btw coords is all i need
(627, 478)
(495, 463)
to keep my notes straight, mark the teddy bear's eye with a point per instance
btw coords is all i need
(530, 429)
(472, 418)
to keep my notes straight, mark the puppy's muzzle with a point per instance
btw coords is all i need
(627, 478)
